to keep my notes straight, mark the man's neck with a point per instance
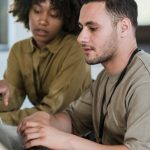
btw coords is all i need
(118, 62)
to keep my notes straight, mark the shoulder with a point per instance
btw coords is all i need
(70, 41)
(70, 37)
(137, 79)
(22, 45)
(19, 49)
(70, 47)
(22, 42)
(140, 66)
(144, 58)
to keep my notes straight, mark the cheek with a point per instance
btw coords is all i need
(56, 25)
(97, 43)
(31, 23)
(100, 41)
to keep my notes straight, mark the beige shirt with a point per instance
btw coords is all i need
(51, 78)
(128, 114)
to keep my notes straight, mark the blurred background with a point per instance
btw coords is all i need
(10, 32)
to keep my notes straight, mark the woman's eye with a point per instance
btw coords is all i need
(37, 11)
(54, 14)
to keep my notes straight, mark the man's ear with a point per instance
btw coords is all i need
(124, 27)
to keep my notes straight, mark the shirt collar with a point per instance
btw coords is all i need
(54, 45)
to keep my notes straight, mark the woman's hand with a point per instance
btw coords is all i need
(4, 92)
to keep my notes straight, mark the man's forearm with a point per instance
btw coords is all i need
(62, 121)
(78, 143)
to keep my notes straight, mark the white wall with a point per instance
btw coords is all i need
(16, 31)
(144, 12)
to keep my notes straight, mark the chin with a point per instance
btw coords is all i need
(94, 61)
(90, 62)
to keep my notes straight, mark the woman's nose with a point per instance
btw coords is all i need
(43, 20)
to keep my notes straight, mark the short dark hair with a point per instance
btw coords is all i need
(68, 9)
(120, 9)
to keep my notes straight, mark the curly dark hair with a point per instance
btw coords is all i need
(120, 9)
(68, 9)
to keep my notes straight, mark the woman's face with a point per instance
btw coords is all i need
(44, 22)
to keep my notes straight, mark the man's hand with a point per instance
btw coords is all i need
(40, 134)
(4, 92)
(41, 127)
(39, 117)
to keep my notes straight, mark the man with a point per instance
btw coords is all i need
(117, 106)
(49, 68)
(4, 92)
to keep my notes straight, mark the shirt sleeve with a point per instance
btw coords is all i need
(137, 136)
(80, 112)
(14, 78)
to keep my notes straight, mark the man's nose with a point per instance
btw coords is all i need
(83, 36)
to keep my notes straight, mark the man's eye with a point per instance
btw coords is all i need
(93, 28)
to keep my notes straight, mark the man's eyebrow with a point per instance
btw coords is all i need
(88, 23)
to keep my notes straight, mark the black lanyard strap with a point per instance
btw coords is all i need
(103, 116)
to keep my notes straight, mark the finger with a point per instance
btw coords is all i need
(22, 124)
(32, 143)
(19, 128)
(5, 94)
(32, 130)
(1, 95)
(27, 124)
(6, 98)
(31, 136)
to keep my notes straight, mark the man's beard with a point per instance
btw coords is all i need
(99, 59)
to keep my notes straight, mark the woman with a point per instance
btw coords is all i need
(49, 68)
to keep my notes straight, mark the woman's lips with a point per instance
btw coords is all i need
(41, 32)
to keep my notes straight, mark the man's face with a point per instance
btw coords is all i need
(98, 36)
(44, 22)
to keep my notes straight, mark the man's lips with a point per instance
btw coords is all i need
(87, 49)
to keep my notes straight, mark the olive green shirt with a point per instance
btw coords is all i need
(128, 114)
(51, 77)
